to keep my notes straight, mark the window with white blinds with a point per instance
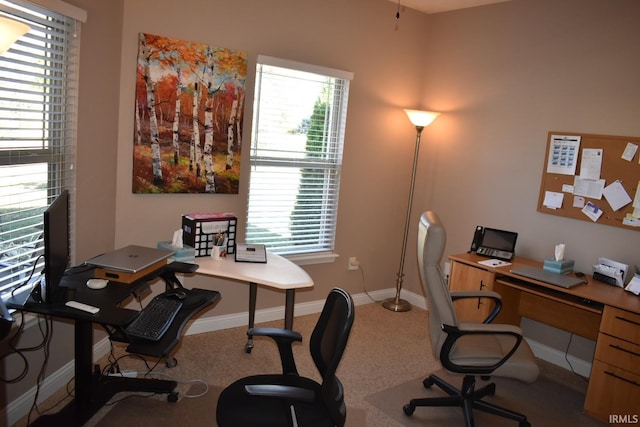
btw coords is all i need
(38, 85)
(296, 156)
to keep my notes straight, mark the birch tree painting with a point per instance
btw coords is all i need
(188, 117)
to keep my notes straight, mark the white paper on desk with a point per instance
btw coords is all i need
(563, 154)
(494, 263)
(553, 200)
(629, 151)
(588, 187)
(591, 163)
(634, 285)
(616, 195)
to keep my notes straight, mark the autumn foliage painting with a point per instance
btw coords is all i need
(188, 117)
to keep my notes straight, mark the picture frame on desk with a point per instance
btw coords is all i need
(246, 252)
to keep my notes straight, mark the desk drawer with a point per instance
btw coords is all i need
(620, 323)
(611, 391)
(563, 316)
(620, 353)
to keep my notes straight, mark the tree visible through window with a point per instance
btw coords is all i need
(296, 156)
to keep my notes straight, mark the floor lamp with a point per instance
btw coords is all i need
(420, 119)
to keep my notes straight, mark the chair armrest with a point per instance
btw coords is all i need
(281, 392)
(492, 295)
(454, 333)
(284, 338)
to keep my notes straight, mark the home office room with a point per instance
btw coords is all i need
(508, 79)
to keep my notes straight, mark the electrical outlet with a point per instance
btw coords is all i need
(354, 264)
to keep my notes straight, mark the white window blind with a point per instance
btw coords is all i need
(38, 89)
(296, 156)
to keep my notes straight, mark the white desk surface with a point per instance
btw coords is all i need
(278, 272)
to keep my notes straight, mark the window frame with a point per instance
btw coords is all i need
(328, 158)
(49, 54)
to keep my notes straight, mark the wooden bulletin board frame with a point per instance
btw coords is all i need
(614, 167)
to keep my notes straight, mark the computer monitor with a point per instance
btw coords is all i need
(56, 246)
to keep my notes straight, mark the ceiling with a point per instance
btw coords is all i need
(435, 6)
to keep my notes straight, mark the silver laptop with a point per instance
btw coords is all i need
(562, 280)
(130, 259)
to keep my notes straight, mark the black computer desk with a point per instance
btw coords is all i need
(92, 389)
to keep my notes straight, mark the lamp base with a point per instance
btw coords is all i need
(396, 304)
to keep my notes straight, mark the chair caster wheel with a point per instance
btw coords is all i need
(408, 409)
(524, 424)
(492, 391)
(171, 362)
(427, 383)
(172, 397)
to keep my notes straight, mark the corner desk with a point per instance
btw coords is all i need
(277, 273)
(600, 312)
(92, 389)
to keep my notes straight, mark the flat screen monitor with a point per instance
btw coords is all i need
(56, 246)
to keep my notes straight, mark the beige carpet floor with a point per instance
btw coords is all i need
(387, 357)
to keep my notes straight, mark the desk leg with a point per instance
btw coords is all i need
(288, 308)
(92, 390)
(253, 292)
(83, 341)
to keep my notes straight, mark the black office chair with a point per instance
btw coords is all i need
(469, 349)
(288, 399)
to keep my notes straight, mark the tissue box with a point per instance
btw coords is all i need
(563, 266)
(183, 254)
(201, 230)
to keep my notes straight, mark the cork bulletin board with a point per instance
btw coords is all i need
(593, 178)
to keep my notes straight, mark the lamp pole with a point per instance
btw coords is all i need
(420, 119)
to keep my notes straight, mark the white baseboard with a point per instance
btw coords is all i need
(18, 408)
(560, 358)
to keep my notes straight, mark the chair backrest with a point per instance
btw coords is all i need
(327, 344)
(432, 239)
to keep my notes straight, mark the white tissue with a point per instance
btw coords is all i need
(177, 239)
(559, 252)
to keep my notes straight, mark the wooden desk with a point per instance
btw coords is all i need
(606, 314)
(278, 273)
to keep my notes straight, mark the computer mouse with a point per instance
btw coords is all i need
(176, 293)
(97, 283)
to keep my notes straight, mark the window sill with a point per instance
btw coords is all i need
(314, 258)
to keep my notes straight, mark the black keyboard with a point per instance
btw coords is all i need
(154, 320)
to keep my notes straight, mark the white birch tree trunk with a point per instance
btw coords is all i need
(176, 121)
(195, 140)
(238, 123)
(209, 173)
(153, 121)
(230, 129)
(138, 120)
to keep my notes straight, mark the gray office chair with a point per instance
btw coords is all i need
(466, 348)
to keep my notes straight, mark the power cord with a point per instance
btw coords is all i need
(19, 351)
(566, 358)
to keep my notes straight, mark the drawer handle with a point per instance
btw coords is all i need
(622, 378)
(480, 299)
(617, 347)
(628, 321)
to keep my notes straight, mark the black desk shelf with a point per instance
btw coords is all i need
(92, 390)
